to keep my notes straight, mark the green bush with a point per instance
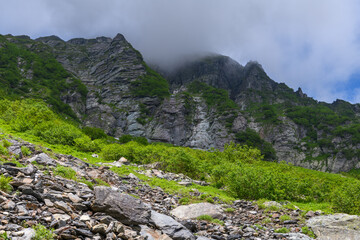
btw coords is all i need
(58, 132)
(94, 133)
(306, 230)
(5, 183)
(65, 172)
(251, 138)
(282, 230)
(214, 97)
(42, 233)
(6, 143)
(346, 198)
(3, 151)
(25, 151)
(128, 138)
(205, 218)
(85, 144)
(152, 84)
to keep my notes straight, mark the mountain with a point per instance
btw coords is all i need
(203, 103)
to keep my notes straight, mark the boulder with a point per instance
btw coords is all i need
(121, 206)
(195, 210)
(25, 234)
(43, 159)
(171, 227)
(337, 226)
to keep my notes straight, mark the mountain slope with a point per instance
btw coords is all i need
(213, 100)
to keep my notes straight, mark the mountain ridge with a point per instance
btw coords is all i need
(204, 104)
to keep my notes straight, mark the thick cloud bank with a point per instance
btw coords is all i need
(312, 44)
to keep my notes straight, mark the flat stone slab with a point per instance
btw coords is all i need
(195, 210)
(336, 226)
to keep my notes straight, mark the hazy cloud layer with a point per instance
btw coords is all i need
(311, 44)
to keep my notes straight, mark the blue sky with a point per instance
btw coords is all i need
(310, 44)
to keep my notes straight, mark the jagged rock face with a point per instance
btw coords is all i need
(107, 67)
(199, 129)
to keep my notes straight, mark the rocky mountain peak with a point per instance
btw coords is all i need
(48, 39)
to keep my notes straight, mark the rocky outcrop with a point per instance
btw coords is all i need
(171, 227)
(337, 226)
(122, 207)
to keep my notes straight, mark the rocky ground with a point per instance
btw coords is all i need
(131, 209)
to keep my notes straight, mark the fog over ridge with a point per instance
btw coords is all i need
(314, 45)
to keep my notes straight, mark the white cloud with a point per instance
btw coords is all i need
(311, 44)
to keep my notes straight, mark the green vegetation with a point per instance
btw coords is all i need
(229, 210)
(35, 73)
(6, 143)
(4, 236)
(5, 183)
(152, 84)
(306, 230)
(210, 219)
(252, 139)
(42, 233)
(25, 151)
(94, 133)
(282, 230)
(214, 97)
(65, 172)
(285, 218)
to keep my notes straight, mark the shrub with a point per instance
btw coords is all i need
(306, 230)
(58, 132)
(184, 201)
(112, 152)
(6, 143)
(282, 230)
(346, 198)
(152, 84)
(229, 210)
(25, 151)
(5, 183)
(85, 144)
(3, 150)
(65, 172)
(251, 138)
(42, 233)
(205, 218)
(285, 218)
(94, 133)
(128, 138)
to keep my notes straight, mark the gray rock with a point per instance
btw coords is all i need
(43, 159)
(193, 211)
(25, 234)
(121, 206)
(100, 228)
(171, 227)
(74, 198)
(61, 217)
(298, 236)
(63, 206)
(30, 169)
(337, 226)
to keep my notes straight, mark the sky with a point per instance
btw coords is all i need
(310, 44)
